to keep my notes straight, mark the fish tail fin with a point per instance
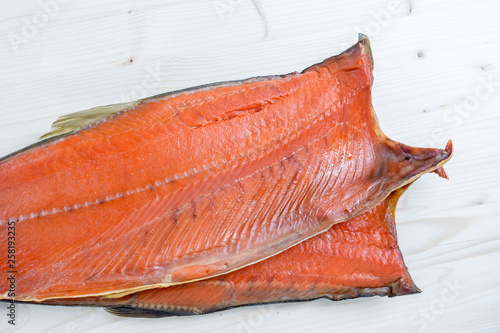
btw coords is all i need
(408, 163)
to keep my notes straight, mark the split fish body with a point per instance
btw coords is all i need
(194, 184)
(359, 257)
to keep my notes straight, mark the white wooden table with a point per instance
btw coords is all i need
(437, 76)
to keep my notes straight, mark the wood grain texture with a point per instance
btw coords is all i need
(433, 62)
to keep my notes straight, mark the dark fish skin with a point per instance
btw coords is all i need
(188, 186)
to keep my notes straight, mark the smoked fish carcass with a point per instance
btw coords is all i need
(193, 184)
(356, 258)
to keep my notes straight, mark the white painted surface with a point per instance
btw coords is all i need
(449, 231)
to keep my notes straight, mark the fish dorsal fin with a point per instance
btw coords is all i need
(72, 122)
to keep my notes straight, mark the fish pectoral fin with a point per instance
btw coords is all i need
(72, 122)
(132, 312)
